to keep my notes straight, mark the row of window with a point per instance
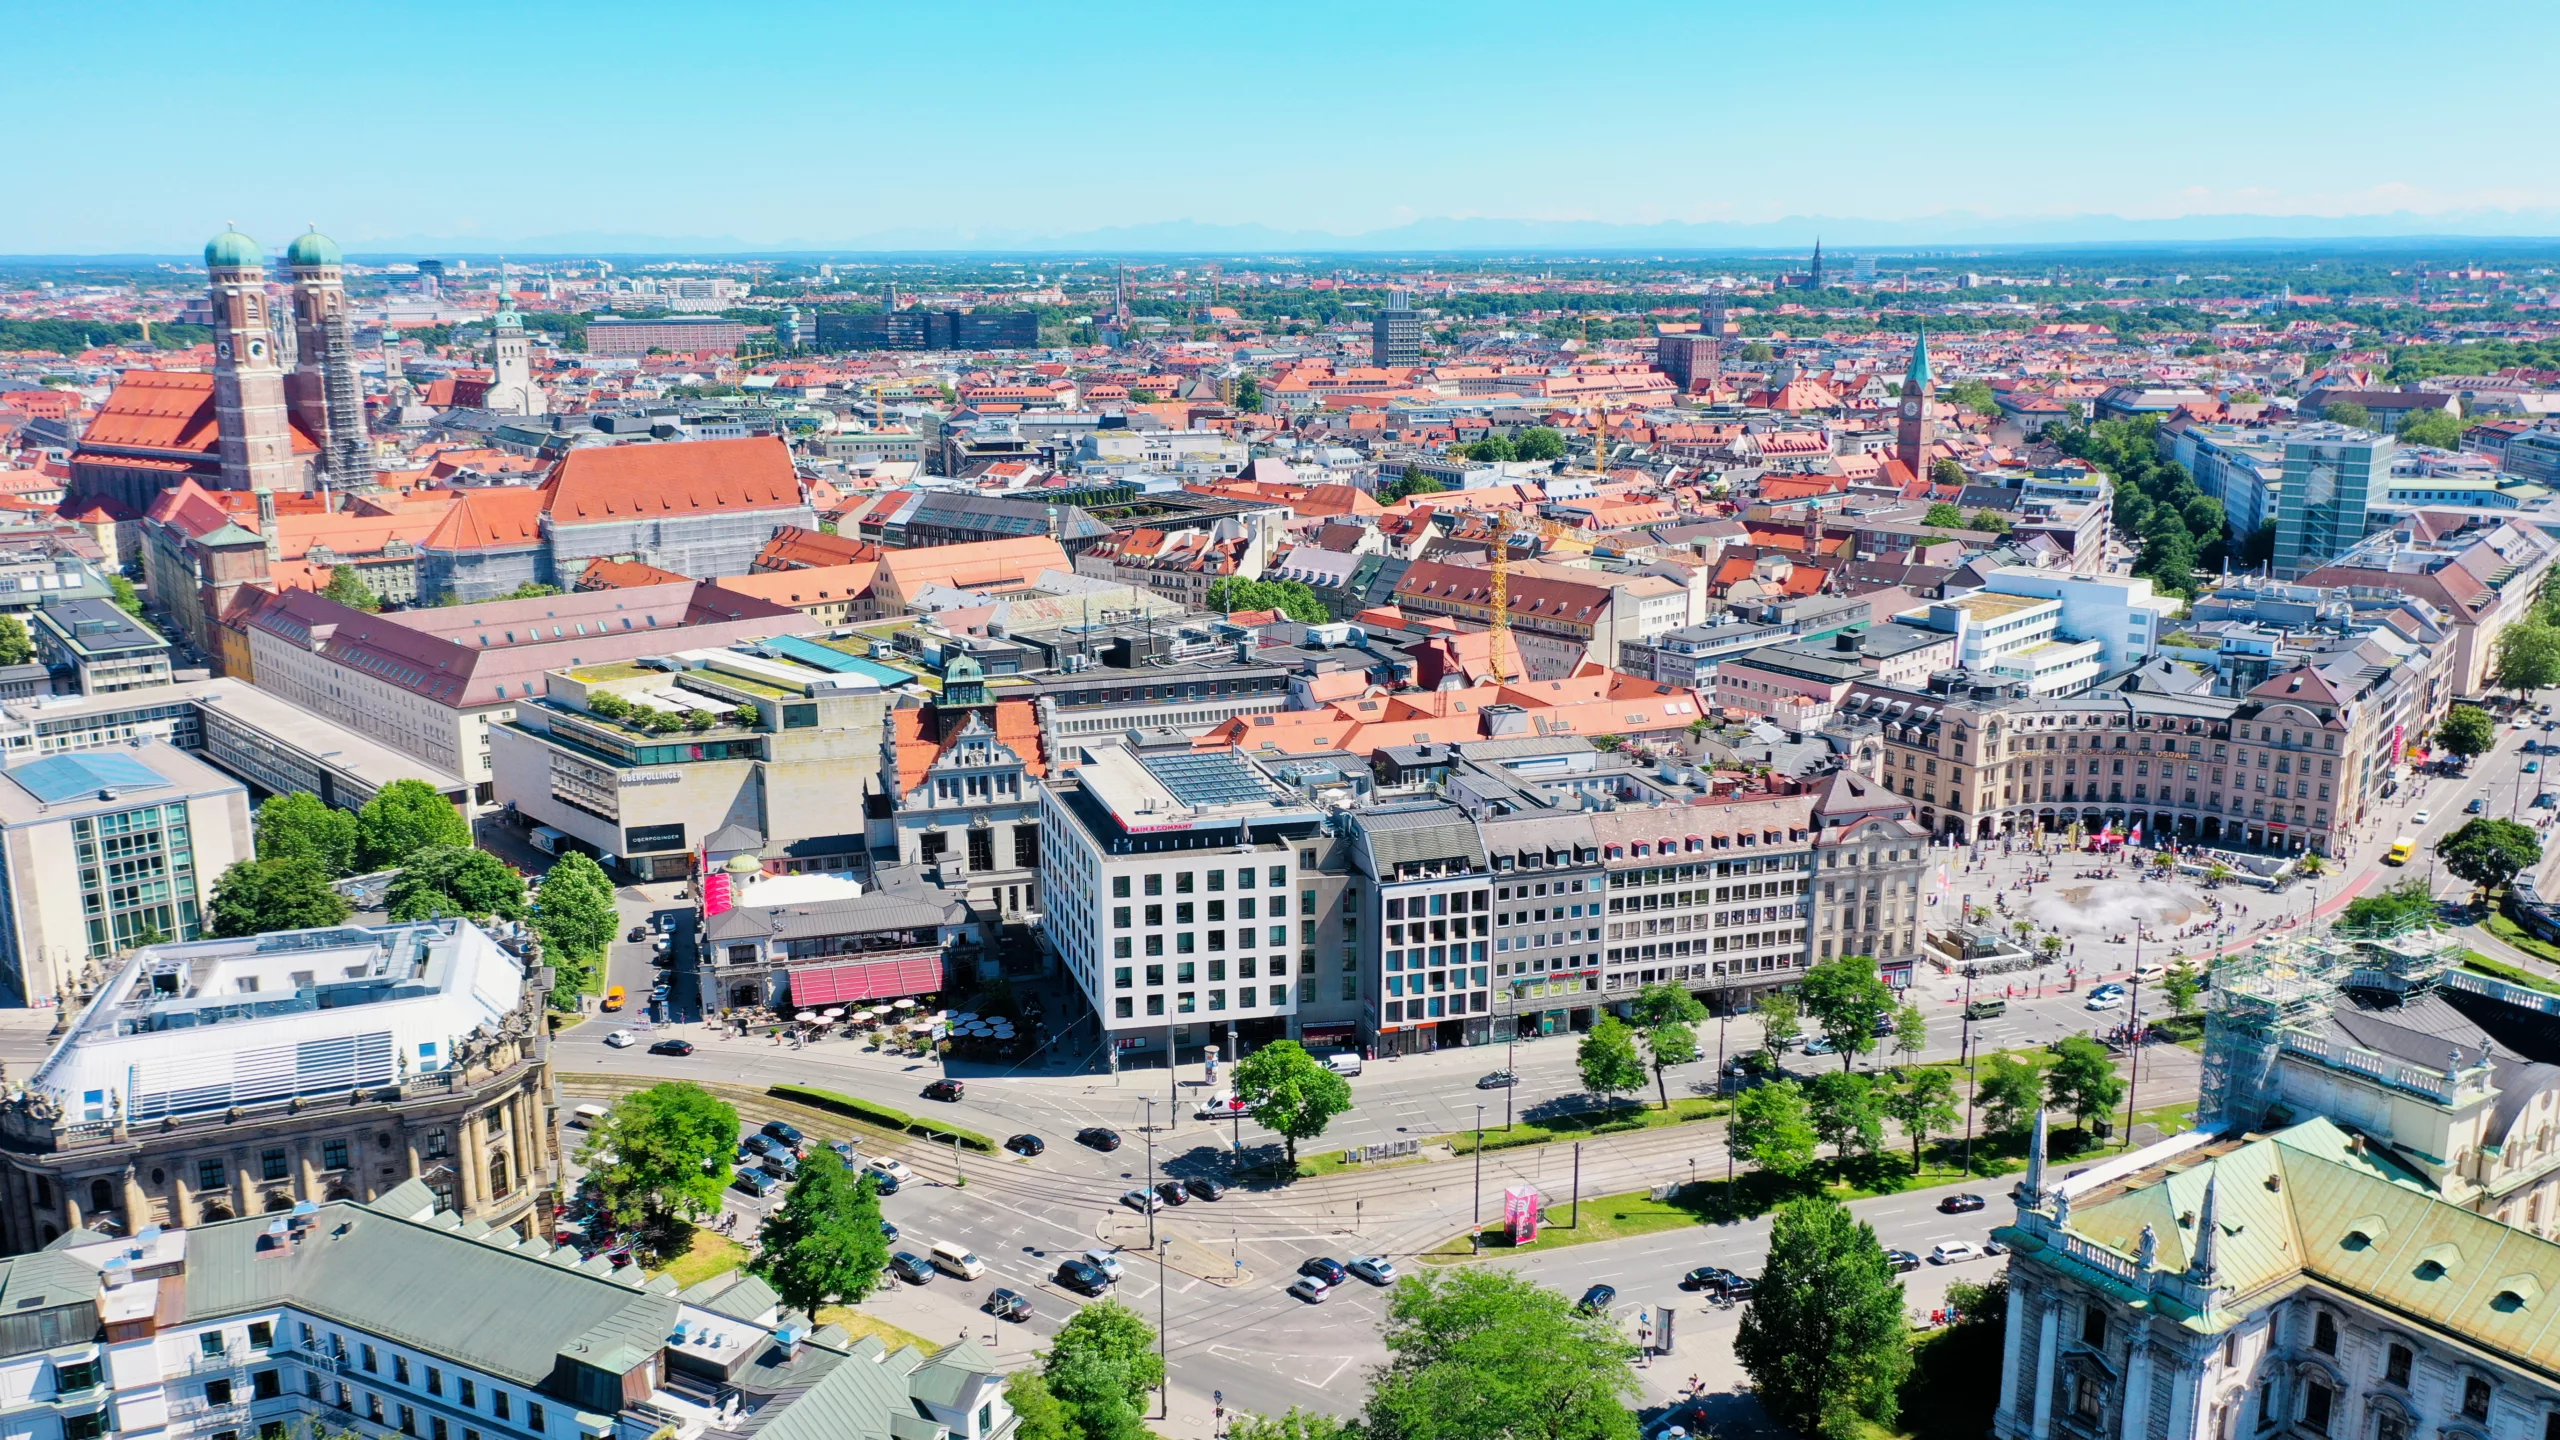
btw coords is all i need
(1186, 1002)
(1185, 911)
(1185, 881)
(1184, 971)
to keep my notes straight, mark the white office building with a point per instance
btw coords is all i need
(2118, 612)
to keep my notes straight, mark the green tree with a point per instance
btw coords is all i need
(1411, 482)
(1910, 1031)
(2347, 412)
(2182, 982)
(2410, 899)
(17, 647)
(1538, 442)
(1758, 351)
(1491, 1355)
(2083, 1079)
(2528, 656)
(531, 590)
(824, 1246)
(1974, 395)
(127, 599)
(1296, 1425)
(1988, 520)
(443, 880)
(2009, 1092)
(1848, 999)
(1249, 394)
(1292, 598)
(1491, 450)
(1943, 471)
(299, 825)
(1037, 1415)
(349, 589)
(1608, 1060)
(574, 914)
(2489, 853)
(1823, 1338)
(2466, 730)
(256, 896)
(1845, 1111)
(1772, 1127)
(1669, 1016)
(1946, 515)
(1924, 1104)
(1781, 1019)
(1101, 1367)
(1290, 1092)
(661, 1154)
(402, 818)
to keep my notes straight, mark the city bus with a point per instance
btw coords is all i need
(2401, 850)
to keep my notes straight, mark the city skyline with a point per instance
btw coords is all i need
(1424, 128)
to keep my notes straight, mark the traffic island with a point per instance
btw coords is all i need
(1128, 1234)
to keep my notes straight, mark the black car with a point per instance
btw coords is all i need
(1902, 1261)
(1006, 1305)
(638, 934)
(1740, 1287)
(1079, 1276)
(1498, 1080)
(785, 1132)
(1026, 1145)
(1204, 1187)
(1173, 1192)
(1961, 1204)
(672, 1047)
(944, 1090)
(1596, 1300)
(1099, 1137)
(909, 1268)
(1328, 1271)
(1710, 1278)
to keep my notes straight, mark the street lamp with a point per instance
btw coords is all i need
(1151, 1170)
(1475, 1228)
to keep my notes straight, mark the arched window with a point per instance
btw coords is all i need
(102, 1196)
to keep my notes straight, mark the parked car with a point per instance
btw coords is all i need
(1902, 1261)
(1142, 1201)
(786, 1132)
(1961, 1204)
(1106, 1261)
(672, 1047)
(1953, 1251)
(910, 1267)
(1078, 1276)
(1310, 1289)
(759, 1145)
(1099, 1137)
(1498, 1080)
(1327, 1270)
(851, 1157)
(621, 1039)
(894, 1171)
(1006, 1305)
(1739, 1287)
(1204, 1187)
(755, 1183)
(1376, 1269)
(1172, 1193)
(945, 1089)
(1218, 1107)
(638, 934)
(888, 1231)
(1709, 1278)
(782, 1165)
(1026, 1146)
(1596, 1300)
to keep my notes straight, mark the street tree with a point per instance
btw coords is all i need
(1296, 1425)
(2008, 1091)
(1924, 1104)
(2528, 656)
(1845, 1111)
(2182, 982)
(1670, 1016)
(299, 825)
(444, 880)
(1290, 1092)
(1037, 1415)
(1781, 1019)
(1910, 1031)
(2466, 730)
(1492, 1355)
(403, 817)
(661, 1155)
(2083, 1079)
(256, 896)
(1101, 1366)
(1823, 1338)
(2410, 899)
(574, 914)
(1608, 1060)
(1772, 1127)
(1849, 1000)
(824, 1246)
(17, 647)
(2489, 853)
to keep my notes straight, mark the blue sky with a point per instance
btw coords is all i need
(144, 127)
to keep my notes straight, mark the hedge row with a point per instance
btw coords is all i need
(880, 1115)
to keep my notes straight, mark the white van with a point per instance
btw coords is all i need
(1341, 1062)
(952, 1259)
(588, 1117)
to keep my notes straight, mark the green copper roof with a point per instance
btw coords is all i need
(232, 250)
(313, 249)
(1917, 377)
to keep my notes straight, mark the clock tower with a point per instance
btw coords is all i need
(1911, 432)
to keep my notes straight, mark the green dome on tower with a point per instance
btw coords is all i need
(232, 250)
(312, 248)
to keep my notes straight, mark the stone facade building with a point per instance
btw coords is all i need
(223, 1078)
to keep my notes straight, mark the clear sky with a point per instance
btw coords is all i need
(145, 126)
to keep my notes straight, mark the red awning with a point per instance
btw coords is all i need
(876, 980)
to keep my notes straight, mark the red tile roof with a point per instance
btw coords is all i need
(499, 517)
(687, 477)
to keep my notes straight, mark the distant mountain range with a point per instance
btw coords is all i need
(1843, 234)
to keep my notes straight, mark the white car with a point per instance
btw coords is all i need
(895, 1169)
(2421, 818)
(1953, 1251)
(1106, 1261)
(2104, 1002)
(621, 1039)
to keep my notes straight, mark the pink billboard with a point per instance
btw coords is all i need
(1520, 1211)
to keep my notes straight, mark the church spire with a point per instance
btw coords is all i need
(2204, 1263)
(1817, 262)
(1917, 377)
(2035, 1162)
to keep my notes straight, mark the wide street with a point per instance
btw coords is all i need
(1231, 1328)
